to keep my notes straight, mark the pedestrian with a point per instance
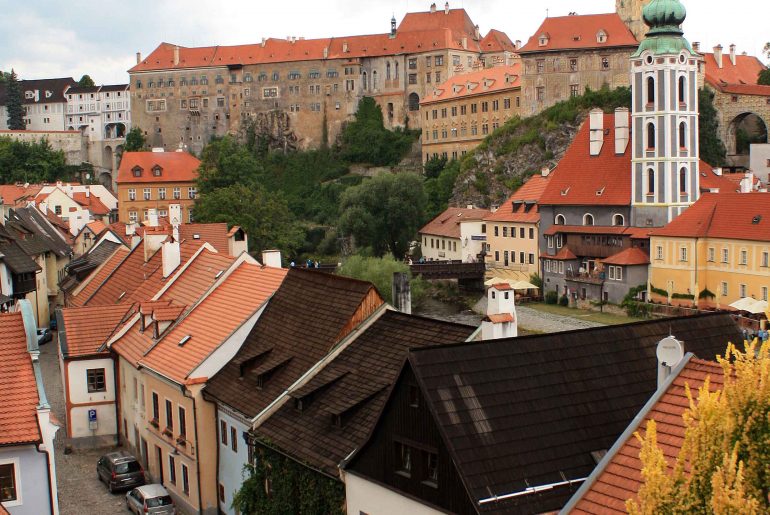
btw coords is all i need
(292, 263)
(316, 264)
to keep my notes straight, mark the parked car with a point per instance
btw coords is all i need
(43, 335)
(120, 470)
(53, 325)
(153, 499)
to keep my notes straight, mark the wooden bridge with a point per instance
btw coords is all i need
(449, 270)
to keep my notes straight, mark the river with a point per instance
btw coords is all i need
(451, 312)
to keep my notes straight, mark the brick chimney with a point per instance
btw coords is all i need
(596, 126)
(176, 55)
(621, 130)
(718, 55)
(732, 54)
(138, 57)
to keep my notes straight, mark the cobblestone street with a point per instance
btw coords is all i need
(535, 320)
(80, 492)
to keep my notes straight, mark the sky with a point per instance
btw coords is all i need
(52, 38)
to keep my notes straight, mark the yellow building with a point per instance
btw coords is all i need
(155, 180)
(716, 252)
(462, 111)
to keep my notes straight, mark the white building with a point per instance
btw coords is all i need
(760, 161)
(500, 321)
(44, 103)
(101, 112)
(457, 234)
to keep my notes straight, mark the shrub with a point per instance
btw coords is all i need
(551, 297)
(563, 301)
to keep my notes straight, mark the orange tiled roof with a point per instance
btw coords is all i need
(727, 215)
(87, 328)
(198, 277)
(232, 302)
(176, 167)
(215, 234)
(91, 202)
(511, 211)
(579, 176)
(96, 278)
(580, 32)
(13, 194)
(565, 254)
(739, 78)
(710, 180)
(501, 318)
(96, 227)
(18, 388)
(621, 478)
(481, 82)
(629, 257)
(447, 224)
(497, 41)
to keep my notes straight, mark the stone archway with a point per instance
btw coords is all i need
(414, 102)
(744, 129)
(107, 156)
(105, 179)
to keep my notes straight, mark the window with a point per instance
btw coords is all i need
(618, 220)
(8, 480)
(605, 63)
(724, 288)
(742, 290)
(559, 241)
(169, 415)
(682, 136)
(650, 136)
(191, 192)
(540, 65)
(540, 93)
(574, 90)
(650, 181)
(95, 380)
(269, 92)
(185, 480)
(744, 257)
(650, 91)
(223, 432)
(155, 407)
(659, 252)
(172, 469)
(484, 107)
(765, 259)
(131, 196)
(430, 460)
(132, 217)
(474, 108)
(412, 78)
(682, 90)
(588, 219)
(559, 220)
(763, 295)
(725, 255)
(531, 233)
(147, 193)
(161, 193)
(413, 63)
(505, 232)
(549, 241)
(403, 459)
(497, 228)
(573, 65)
(710, 255)
(234, 439)
(182, 422)
(177, 193)
(439, 60)
(683, 254)
(506, 103)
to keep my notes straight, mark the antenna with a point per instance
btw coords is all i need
(669, 352)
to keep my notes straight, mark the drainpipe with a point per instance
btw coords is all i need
(197, 443)
(116, 385)
(48, 468)
(696, 291)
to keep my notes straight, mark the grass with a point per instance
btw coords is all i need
(591, 316)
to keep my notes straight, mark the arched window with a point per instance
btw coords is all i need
(387, 71)
(618, 220)
(683, 181)
(395, 76)
(650, 181)
(650, 90)
(588, 219)
(682, 90)
(682, 135)
(560, 220)
(650, 136)
(414, 102)
(363, 79)
(374, 79)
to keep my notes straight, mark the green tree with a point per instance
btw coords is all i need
(764, 77)
(379, 272)
(439, 189)
(13, 104)
(712, 149)
(225, 162)
(433, 166)
(32, 162)
(134, 140)
(366, 140)
(384, 213)
(264, 216)
(86, 82)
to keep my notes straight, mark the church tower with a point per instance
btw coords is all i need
(630, 11)
(664, 118)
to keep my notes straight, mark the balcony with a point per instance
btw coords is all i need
(593, 277)
(23, 284)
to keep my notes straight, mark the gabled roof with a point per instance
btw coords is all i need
(522, 412)
(522, 205)
(497, 41)
(91, 202)
(41, 91)
(18, 388)
(620, 478)
(447, 224)
(308, 435)
(579, 32)
(565, 254)
(176, 167)
(96, 227)
(726, 215)
(35, 222)
(740, 78)
(83, 331)
(308, 315)
(481, 82)
(16, 259)
(583, 179)
(92, 259)
(630, 257)
(91, 283)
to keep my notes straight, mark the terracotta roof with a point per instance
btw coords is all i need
(83, 331)
(348, 386)
(176, 167)
(726, 215)
(497, 41)
(447, 224)
(13, 193)
(481, 82)
(710, 180)
(621, 479)
(739, 78)
(215, 234)
(231, 303)
(323, 309)
(96, 226)
(629, 257)
(91, 202)
(579, 176)
(18, 388)
(98, 277)
(565, 254)
(501, 318)
(580, 32)
(519, 206)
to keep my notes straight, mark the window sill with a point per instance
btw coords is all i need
(431, 484)
(403, 473)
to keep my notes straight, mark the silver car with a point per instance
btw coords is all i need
(150, 499)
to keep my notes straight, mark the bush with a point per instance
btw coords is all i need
(551, 297)
(379, 271)
(563, 301)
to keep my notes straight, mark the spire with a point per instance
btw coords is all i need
(664, 17)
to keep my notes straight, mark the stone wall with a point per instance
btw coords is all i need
(72, 143)
(730, 107)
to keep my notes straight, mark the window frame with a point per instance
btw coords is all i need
(15, 476)
(93, 385)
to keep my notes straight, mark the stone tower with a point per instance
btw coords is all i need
(630, 11)
(664, 118)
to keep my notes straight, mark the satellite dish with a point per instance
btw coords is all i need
(670, 351)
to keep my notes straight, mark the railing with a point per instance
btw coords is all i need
(583, 277)
(449, 270)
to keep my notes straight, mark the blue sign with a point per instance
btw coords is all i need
(478, 238)
(92, 415)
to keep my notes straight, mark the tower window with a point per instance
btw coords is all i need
(650, 181)
(682, 135)
(588, 219)
(682, 90)
(650, 136)
(650, 90)
(683, 181)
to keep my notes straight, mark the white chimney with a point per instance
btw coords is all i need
(159, 150)
(175, 219)
(596, 126)
(545, 171)
(402, 292)
(176, 55)
(476, 32)
(621, 130)
(718, 171)
(152, 217)
(345, 47)
(669, 352)
(696, 46)
(264, 40)
(153, 241)
(138, 57)
(747, 183)
(732, 54)
(718, 55)
(326, 52)
(465, 43)
(518, 43)
(88, 191)
(271, 258)
(237, 241)
(469, 206)
(433, 8)
(500, 321)
(172, 257)
(446, 8)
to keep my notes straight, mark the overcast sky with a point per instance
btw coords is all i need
(52, 38)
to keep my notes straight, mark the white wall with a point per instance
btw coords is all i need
(363, 496)
(83, 401)
(231, 463)
(759, 161)
(471, 247)
(437, 253)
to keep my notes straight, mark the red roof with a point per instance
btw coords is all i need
(583, 179)
(447, 224)
(565, 254)
(18, 388)
(501, 318)
(709, 180)
(481, 82)
(91, 202)
(497, 41)
(727, 215)
(739, 78)
(96, 278)
(11, 193)
(621, 479)
(87, 328)
(175, 167)
(523, 211)
(96, 227)
(580, 32)
(629, 257)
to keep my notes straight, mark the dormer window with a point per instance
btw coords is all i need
(601, 37)
(137, 171)
(156, 171)
(542, 40)
(29, 94)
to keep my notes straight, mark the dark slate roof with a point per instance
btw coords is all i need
(114, 87)
(82, 89)
(524, 412)
(48, 237)
(79, 268)
(56, 87)
(16, 259)
(355, 384)
(301, 324)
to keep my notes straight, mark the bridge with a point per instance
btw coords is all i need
(449, 270)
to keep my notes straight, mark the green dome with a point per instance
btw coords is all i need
(664, 16)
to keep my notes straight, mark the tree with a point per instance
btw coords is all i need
(225, 162)
(379, 271)
(86, 82)
(712, 149)
(366, 140)
(264, 216)
(764, 77)
(384, 213)
(134, 140)
(440, 189)
(723, 464)
(22, 161)
(13, 104)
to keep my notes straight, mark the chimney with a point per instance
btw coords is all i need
(152, 217)
(545, 171)
(718, 171)
(271, 258)
(747, 183)
(175, 219)
(176, 55)
(469, 206)
(237, 241)
(172, 257)
(433, 7)
(2, 210)
(669, 352)
(446, 8)
(138, 57)
(596, 125)
(732, 54)
(621, 130)
(476, 32)
(88, 191)
(696, 46)
(465, 43)
(264, 40)
(153, 241)
(345, 47)
(500, 321)
(718, 55)
(518, 43)
(326, 52)
(402, 293)
(43, 207)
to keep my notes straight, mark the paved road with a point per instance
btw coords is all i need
(535, 320)
(80, 492)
